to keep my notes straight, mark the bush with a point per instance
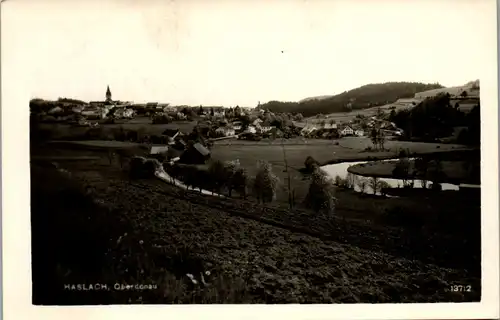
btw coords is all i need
(218, 174)
(321, 194)
(136, 169)
(265, 183)
(310, 164)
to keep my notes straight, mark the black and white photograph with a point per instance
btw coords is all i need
(267, 152)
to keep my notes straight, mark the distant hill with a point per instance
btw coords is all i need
(315, 98)
(471, 88)
(367, 96)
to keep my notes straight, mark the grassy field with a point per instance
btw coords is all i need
(324, 151)
(85, 231)
(66, 131)
(455, 171)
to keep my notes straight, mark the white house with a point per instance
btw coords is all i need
(359, 132)
(264, 128)
(159, 149)
(124, 113)
(226, 131)
(329, 126)
(308, 129)
(251, 129)
(347, 130)
(55, 110)
(257, 122)
(77, 109)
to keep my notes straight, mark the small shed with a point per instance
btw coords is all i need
(196, 154)
(159, 150)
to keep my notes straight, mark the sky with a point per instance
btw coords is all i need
(221, 52)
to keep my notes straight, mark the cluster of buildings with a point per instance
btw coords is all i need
(360, 128)
(236, 127)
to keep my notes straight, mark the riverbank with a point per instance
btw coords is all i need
(453, 172)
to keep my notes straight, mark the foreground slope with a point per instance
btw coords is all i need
(150, 232)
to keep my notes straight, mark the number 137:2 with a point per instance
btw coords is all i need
(460, 288)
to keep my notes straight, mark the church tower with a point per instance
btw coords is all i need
(108, 95)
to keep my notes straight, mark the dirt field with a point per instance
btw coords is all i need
(158, 233)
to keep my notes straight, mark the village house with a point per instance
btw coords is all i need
(346, 131)
(257, 122)
(55, 110)
(226, 131)
(308, 129)
(359, 132)
(124, 113)
(250, 129)
(195, 154)
(237, 125)
(158, 150)
(330, 126)
(77, 109)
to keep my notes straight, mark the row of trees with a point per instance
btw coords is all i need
(364, 184)
(422, 168)
(227, 177)
(436, 118)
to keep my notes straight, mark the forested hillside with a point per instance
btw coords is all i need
(360, 98)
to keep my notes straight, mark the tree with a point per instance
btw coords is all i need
(200, 110)
(239, 182)
(422, 168)
(392, 114)
(245, 121)
(374, 137)
(299, 117)
(362, 184)
(218, 174)
(384, 186)
(436, 174)
(374, 184)
(321, 194)
(463, 94)
(212, 112)
(266, 182)
(402, 171)
(310, 164)
(381, 139)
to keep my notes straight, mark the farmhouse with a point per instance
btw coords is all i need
(226, 131)
(124, 113)
(330, 126)
(250, 129)
(195, 154)
(308, 129)
(55, 110)
(359, 132)
(257, 122)
(346, 131)
(158, 150)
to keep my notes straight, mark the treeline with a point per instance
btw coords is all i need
(367, 96)
(436, 118)
(225, 178)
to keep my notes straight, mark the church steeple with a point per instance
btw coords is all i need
(108, 94)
